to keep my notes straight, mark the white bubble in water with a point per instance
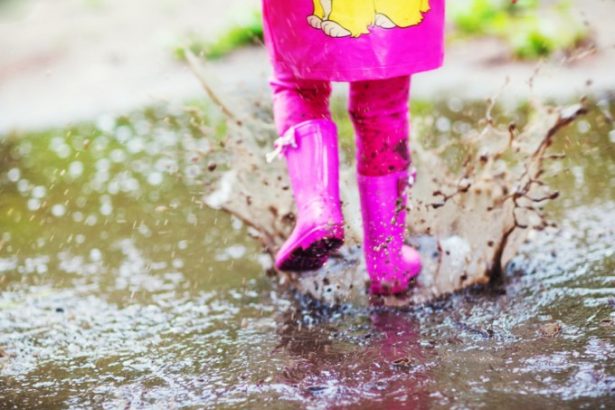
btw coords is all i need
(100, 143)
(182, 244)
(123, 133)
(130, 184)
(106, 208)
(58, 210)
(59, 146)
(39, 191)
(78, 216)
(41, 268)
(105, 123)
(265, 261)
(443, 124)
(75, 169)
(14, 174)
(455, 104)
(91, 220)
(154, 178)
(612, 136)
(236, 251)
(95, 254)
(579, 175)
(113, 187)
(135, 145)
(178, 263)
(117, 155)
(63, 151)
(144, 230)
(584, 126)
(34, 204)
(80, 238)
(23, 186)
(236, 223)
(103, 165)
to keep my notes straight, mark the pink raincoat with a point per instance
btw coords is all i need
(354, 40)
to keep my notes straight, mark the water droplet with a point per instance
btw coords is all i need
(34, 204)
(95, 255)
(113, 187)
(106, 208)
(584, 126)
(23, 186)
(443, 124)
(39, 191)
(455, 104)
(75, 169)
(14, 174)
(135, 145)
(154, 178)
(123, 133)
(58, 210)
(117, 155)
(103, 164)
(91, 220)
(105, 123)
(232, 252)
(130, 184)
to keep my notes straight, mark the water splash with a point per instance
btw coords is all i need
(476, 199)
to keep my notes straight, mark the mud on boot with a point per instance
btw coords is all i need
(390, 264)
(311, 152)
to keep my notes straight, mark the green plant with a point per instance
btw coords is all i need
(246, 32)
(530, 31)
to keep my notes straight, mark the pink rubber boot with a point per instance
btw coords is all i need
(311, 154)
(390, 264)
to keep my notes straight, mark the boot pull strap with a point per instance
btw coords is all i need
(286, 140)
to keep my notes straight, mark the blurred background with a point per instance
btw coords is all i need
(73, 59)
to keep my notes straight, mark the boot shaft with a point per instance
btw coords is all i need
(383, 208)
(311, 152)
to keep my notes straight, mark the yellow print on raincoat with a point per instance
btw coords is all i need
(351, 18)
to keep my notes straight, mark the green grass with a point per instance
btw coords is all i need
(530, 32)
(247, 32)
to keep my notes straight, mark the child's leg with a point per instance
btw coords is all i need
(379, 111)
(296, 100)
(309, 144)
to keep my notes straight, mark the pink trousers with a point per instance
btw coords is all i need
(378, 109)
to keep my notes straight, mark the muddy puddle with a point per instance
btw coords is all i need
(119, 288)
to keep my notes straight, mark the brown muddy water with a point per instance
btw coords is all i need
(120, 289)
